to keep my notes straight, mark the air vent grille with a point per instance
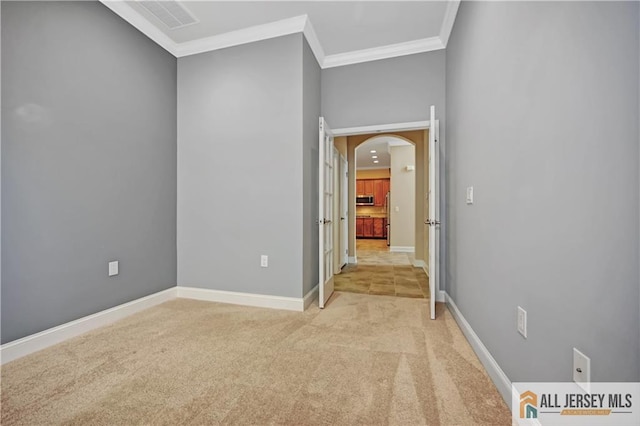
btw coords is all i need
(170, 12)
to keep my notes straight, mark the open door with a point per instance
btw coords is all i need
(344, 211)
(434, 215)
(325, 213)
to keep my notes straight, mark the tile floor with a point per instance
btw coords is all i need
(379, 271)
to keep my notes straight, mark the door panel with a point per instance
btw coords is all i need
(325, 212)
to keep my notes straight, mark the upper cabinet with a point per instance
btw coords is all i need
(380, 189)
(376, 187)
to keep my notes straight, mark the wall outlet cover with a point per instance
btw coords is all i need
(581, 369)
(113, 268)
(470, 195)
(522, 322)
(264, 261)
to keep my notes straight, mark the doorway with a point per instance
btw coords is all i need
(385, 198)
(427, 223)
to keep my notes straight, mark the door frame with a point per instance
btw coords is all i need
(398, 127)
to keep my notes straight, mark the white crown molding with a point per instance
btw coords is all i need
(298, 24)
(126, 12)
(314, 43)
(448, 21)
(35, 342)
(246, 35)
(383, 52)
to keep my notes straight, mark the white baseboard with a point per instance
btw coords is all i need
(310, 296)
(353, 259)
(498, 376)
(245, 299)
(418, 263)
(441, 296)
(401, 249)
(35, 342)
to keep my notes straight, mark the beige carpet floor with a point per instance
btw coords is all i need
(367, 360)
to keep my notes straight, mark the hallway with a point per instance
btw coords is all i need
(381, 272)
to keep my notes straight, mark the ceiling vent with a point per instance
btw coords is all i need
(170, 12)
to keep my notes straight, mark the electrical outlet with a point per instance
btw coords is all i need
(581, 369)
(264, 261)
(522, 322)
(470, 195)
(113, 268)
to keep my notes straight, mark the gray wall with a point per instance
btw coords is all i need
(240, 168)
(542, 107)
(310, 139)
(387, 91)
(88, 164)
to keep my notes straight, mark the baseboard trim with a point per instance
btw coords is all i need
(418, 263)
(245, 299)
(310, 296)
(35, 342)
(441, 296)
(498, 376)
(353, 259)
(401, 249)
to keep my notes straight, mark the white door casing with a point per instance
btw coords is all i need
(433, 221)
(325, 212)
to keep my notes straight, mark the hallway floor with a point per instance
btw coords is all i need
(381, 272)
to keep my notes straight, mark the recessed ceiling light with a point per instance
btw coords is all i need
(373, 151)
(374, 156)
(376, 161)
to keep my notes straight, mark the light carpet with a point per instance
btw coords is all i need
(367, 360)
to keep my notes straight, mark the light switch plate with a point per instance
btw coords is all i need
(113, 268)
(470, 195)
(522, 322)
(581, 369)
(264, 261)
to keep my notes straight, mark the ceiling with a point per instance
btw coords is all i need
(339, 32)
(380, 144)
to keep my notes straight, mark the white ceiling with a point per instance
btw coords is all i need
(380, 144)
(339, 32)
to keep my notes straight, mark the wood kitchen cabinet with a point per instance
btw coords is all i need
(360, 187)
(367, 227)
(368, 187)
(378, 227)
(359, 227)
(384, 228)
(380, 189)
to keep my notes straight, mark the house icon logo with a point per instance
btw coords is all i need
(528, 405)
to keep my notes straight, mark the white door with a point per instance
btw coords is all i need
(434, 214)
(325, 212)
(344, 211)
(335, 217)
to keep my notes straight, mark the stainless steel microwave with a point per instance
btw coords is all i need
(364, 200)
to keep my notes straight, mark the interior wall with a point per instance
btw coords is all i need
(546, 104)
(88, 164)
(373, 173)
(340, 143)
(242, 154)
(310, 157)
(403, 205)
(395, 90)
